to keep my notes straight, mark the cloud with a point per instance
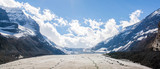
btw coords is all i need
(77, 28)
(50, 31)
(133, 19)
(10, 3)
(61, 21)
(78, 35)
(89, 36)
(30, 9)
(111, 27)
(93, 24)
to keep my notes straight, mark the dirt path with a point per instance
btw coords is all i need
(83, 61)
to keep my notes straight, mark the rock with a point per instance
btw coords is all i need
(156, 44)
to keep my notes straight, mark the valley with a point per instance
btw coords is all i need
(81, 61)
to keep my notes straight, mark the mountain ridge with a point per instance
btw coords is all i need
(20, 37)
(127, 39)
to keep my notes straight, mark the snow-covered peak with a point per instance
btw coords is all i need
(157, 13)
(136, 35)
(16, 17)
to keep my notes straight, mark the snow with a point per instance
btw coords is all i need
(18, 35)
(62, 49)
(82, 61)
(26, 25)
(140, 38)
(155, 13)
(125, 47)
(103, 50)
(24, 32)
(56, 46)
(5, 33)
(151, 31)
(116, 49)
(15, 14)
(20, 57)
(141, 33)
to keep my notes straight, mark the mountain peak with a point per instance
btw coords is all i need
(15, 22)
(136, 37)
(20, 35)
(155, 13)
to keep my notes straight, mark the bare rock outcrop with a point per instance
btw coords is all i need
(156, 44)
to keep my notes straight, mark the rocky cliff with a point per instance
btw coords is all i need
(156, 43)
(20, 37)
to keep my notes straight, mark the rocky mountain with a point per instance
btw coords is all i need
(156, 43)
(148, 55)
(137, 37)
(20, 37)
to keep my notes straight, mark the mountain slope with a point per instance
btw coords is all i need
(144, 47)
(138, 35)
(156, 43)
(148, 53)
(20, 36)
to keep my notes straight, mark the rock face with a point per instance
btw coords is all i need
(136, 37)
(156, 43)
(20, 37)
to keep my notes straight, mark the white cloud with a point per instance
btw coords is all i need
(77, 28)
(61, 21)
(48, 30)
(32, 10)
(88, 36)
(93, 24)
(78, 35)
(111, 27)
(10, 3)
(133, 19)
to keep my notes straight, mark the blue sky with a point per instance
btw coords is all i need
(83, 23)
(96, 9)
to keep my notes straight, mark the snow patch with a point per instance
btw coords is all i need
(101, 50)
(116, 49)
(140, 38)
(26, 25)
(24, 32)
(5, 33)
(125, 47)
(155, 13)
(141, 33)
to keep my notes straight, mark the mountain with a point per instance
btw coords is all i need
(137, 37)
(20, 36)
(156, 43)
(139, 43)
(145, 52)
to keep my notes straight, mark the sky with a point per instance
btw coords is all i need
(83, 23)
(94, 9)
